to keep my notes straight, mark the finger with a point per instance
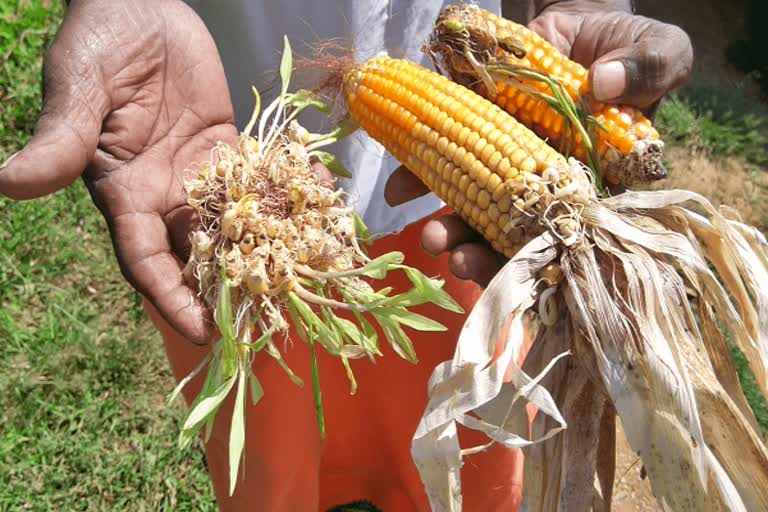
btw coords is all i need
(66, 134)
(181, 222)
(143, 250)
(326, 176)
(475, 262)
(445, 233)
(639, 73)
(403, 186)
(557, 29)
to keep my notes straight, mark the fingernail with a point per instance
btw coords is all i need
(609, 81)
(2, 166)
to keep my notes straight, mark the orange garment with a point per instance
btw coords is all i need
(366, 454)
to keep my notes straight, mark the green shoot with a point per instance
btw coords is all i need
(577, 117)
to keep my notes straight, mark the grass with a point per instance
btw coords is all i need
(723, 119)
(751, 390)
(25, 29)
(83, 373)
(84, 421)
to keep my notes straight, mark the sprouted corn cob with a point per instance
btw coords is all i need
(278, 247)
(523, 73)
(635, 288)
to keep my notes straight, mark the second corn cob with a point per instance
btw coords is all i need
(493, 56)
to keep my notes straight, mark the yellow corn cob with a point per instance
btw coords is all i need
(629, 148)
(488, 167)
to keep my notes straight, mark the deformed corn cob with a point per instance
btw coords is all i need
(492, 55)
(493, 171)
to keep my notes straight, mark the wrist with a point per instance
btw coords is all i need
(584, 6)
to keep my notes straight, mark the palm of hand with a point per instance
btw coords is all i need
(174, 109)
(130, 105)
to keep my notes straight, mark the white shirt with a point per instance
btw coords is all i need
(249, 36)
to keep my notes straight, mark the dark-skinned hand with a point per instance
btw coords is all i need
(134, 92)
(631, 59)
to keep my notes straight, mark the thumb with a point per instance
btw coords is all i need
(66, 134)
(403, 186)
(643, 71)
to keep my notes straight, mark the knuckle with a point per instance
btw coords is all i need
(458, 267)
(679, 36)
(65, 70)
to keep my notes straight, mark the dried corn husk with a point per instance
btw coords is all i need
(644, 291)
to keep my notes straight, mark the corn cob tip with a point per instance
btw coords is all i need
(462, 41)
(643, 164)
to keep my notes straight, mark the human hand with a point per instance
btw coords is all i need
(632, 59)
(134, 92)
(470, 257)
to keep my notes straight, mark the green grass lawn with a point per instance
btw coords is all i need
(83, 421)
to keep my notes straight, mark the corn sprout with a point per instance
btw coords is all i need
(277, 247)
